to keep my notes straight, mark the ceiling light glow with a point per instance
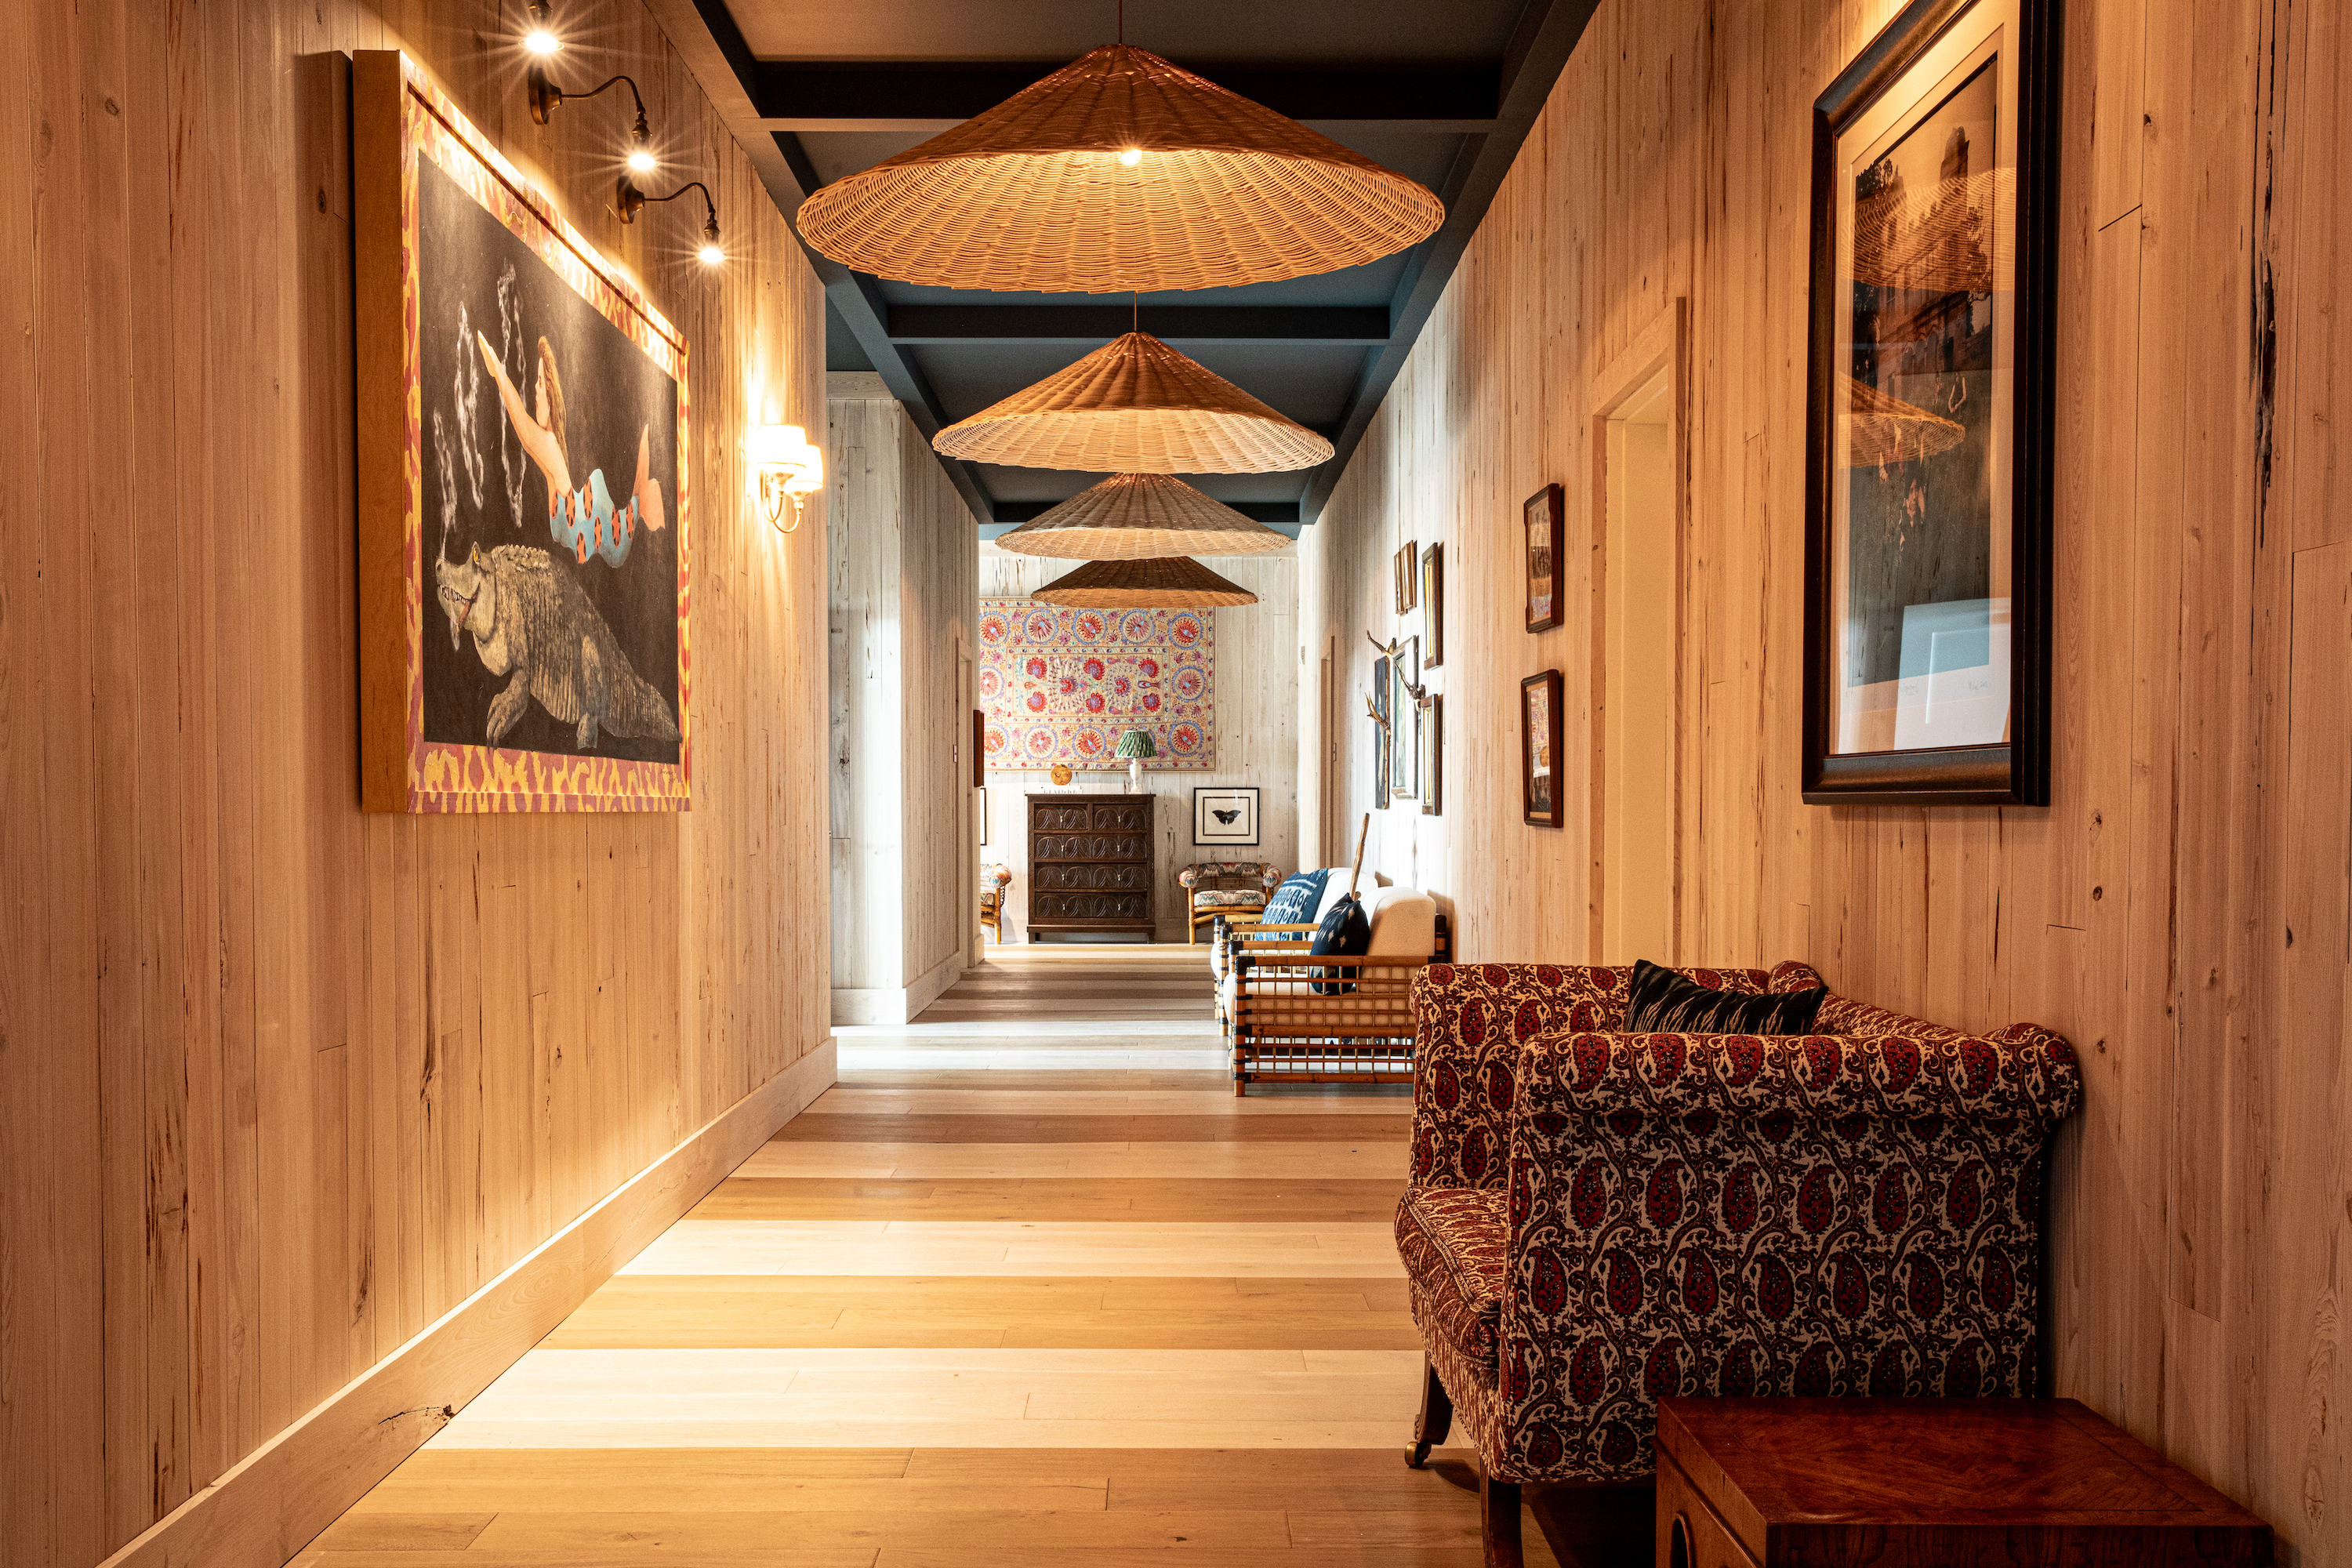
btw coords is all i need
(1131, 157)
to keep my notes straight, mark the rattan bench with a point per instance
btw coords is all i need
(1297, 1018)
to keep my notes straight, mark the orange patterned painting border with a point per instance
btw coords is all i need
(442, 777)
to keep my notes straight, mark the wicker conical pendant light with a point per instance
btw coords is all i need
(1172, 583)
(1132, 517)
(1119, 171)
(1885, 429)
(1135, 406)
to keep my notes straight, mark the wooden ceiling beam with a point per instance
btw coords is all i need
(1325, 326)
(901, 95)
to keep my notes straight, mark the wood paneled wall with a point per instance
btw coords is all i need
(281, 1083)
(904, 569)
(2180, 911)
(1258, 666)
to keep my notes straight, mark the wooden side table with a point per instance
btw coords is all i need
(1905, 1483)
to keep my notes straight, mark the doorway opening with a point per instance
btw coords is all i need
(1637, 441)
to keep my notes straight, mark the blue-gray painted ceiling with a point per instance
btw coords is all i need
(817, 89)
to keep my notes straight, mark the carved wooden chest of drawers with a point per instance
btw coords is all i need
(1089, 863)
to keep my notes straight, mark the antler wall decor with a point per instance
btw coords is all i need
(1390, 650)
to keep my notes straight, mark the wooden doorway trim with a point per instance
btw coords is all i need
(1662, 347)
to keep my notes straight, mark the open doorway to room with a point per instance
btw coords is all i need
(1638, 442)
(1109, 878)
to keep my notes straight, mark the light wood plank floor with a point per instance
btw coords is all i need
(980, 1314)
(1069, 983)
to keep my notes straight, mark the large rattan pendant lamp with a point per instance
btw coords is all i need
(1883, 428)
(1133, 517)
(1135, 406)
(1173, 582)
(1119, 171)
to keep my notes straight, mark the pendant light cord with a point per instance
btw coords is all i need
(1122, 23)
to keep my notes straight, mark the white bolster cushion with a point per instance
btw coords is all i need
(1404, 922)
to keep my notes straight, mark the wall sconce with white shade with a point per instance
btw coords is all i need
(789, 469)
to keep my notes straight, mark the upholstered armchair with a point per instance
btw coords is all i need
(994, 879)
(1233, 891)
(1597, 1220)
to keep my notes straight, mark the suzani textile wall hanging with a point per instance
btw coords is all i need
(1061, 685)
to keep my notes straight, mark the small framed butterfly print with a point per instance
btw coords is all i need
(1226, 815)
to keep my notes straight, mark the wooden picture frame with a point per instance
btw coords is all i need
(1404, 727)
(1405, 566)
(1432, 754)
(1540, 801)
(1433, 607)
(1209, 828)
(1927, 576)
(1384, 723)
(523, 433)
(1545, 516)
(979, 747)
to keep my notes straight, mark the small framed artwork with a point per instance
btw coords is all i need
(979, 747)
(1226, 815)
(1928, 554)
(1407, 566)
(1546, 519)
(1405, 725)
(1539, 727)
(1433, 607)
(1432, 752)
(1382, 725)
(980, 807)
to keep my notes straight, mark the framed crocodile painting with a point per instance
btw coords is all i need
(525, 534)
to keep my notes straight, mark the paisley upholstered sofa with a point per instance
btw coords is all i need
(1597, 1220)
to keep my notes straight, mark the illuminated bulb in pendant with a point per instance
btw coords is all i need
(641, 162)
(539, 41)
(1131, 157)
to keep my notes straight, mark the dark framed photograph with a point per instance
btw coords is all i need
(1540, 751)
(1547, 521)
(1432, 752)
(979, 747)
(1929, 427)
(1433, 607)
(1226, 815)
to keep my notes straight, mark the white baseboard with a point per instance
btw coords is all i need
(896, 1004)
(267, 1507)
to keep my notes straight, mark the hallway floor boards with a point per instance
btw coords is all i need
(972, 1314)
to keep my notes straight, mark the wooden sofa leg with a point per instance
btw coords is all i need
(1435, 1420)
(1498, 1521)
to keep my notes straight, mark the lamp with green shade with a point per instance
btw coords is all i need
(1135, 745)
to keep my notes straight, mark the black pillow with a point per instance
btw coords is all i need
(1660, 1002)
(1344, 933)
